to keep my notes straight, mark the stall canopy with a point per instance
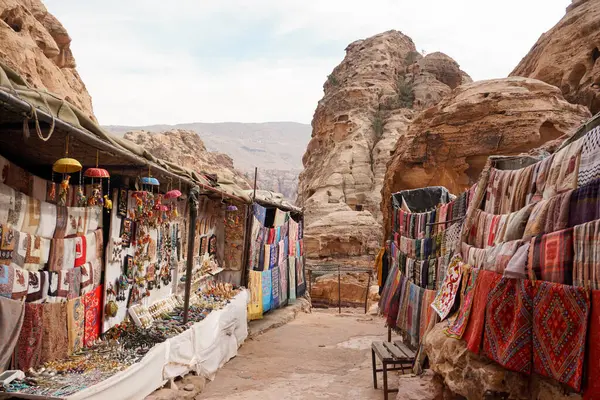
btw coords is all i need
(27, 112)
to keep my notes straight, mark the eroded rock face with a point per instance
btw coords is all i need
(368, 104)
(353, 290)
(37, 47)
(187, 149)
(448, 144)
(475, 377)
(567, 55)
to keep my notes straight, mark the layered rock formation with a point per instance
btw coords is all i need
(369, 101)
(449, 144)
(475, 377)
(37, 47)
(567, 55)
(187, 149)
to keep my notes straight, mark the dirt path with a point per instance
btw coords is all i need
(317, 356)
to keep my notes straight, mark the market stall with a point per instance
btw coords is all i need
(521, 288)
(109, 258)
(275, 263)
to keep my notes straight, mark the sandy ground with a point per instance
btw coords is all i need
(321, 355)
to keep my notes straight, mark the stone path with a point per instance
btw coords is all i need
(320, 355)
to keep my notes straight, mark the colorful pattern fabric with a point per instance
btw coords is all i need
(557, 217)
(536, 223)
(586, 255)
(20, 284)
(266, 290)
(93, 316)
(516, 267)
(275, 287)
(508, 325)
(29, 346)
(592, 389)
(589, 165)
(75, 324)
(61, 222)
(444, 300)
(551, 257)
(80, 251)
(428, 317)
(469, 281)
(413, 312)
(585, 204)
(559, 331)
(473, 334)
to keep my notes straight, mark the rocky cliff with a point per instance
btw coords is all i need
(369, 101)
(449, 144)
(188, 150)
(567, 55)
(37, 46)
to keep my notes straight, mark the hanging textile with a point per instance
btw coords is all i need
(292, 278)
(551, 257)
(586, 255)
(427, 317)
(75, 324)
(558, 212)
(444, 301)
(55, 337)
(266, 290)
(585, 204)
(589, 165)
(469, 280)
(559, 331)
(508, 325)
(592, 389)
(473, 334)
(275, 285)
(12, 314)
(516, 267)
(255, 305)
(93, 316)
(29, 345)
(38, 287)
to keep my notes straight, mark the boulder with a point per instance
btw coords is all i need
(449, 143)
(567, 55)
(37, 47)
(369, 101)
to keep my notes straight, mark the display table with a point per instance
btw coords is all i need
(204, 348)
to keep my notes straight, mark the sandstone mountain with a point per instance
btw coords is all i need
(449, 144)
(37, 47)
(187, 149)
(369, 102)
(567, 55)
(274, 147)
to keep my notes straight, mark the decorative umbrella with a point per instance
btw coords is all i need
(64, 166)
(98, 173)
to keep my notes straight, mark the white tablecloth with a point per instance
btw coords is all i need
(204, 348)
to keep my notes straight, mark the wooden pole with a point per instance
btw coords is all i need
(339, 291)
(193, 199)
(255, 177)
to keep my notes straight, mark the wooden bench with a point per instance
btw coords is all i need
(395, 354)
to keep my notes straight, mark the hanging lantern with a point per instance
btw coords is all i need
(64, 166)
(98, 173)
(172, 194)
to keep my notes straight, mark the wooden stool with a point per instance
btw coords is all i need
(395, 354)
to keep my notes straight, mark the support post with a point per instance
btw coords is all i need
(193, 200)
(339, 291)
(367, 295)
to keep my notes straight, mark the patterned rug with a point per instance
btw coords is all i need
(486, 281)
(551, 257)
(444, 301)
(592, 391)
(559, 329)
(508, 325)
(457, 329)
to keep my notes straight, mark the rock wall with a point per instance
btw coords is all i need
(449, 144)
(567, 55)
(37, 46)
(369, 101)
(475, 377)
(187, 149)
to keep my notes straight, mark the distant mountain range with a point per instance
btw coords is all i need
(276, 148)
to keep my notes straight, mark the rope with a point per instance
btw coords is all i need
(33, 115)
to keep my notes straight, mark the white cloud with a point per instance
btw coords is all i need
(151, 61)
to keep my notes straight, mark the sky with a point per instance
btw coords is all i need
(166, 62)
